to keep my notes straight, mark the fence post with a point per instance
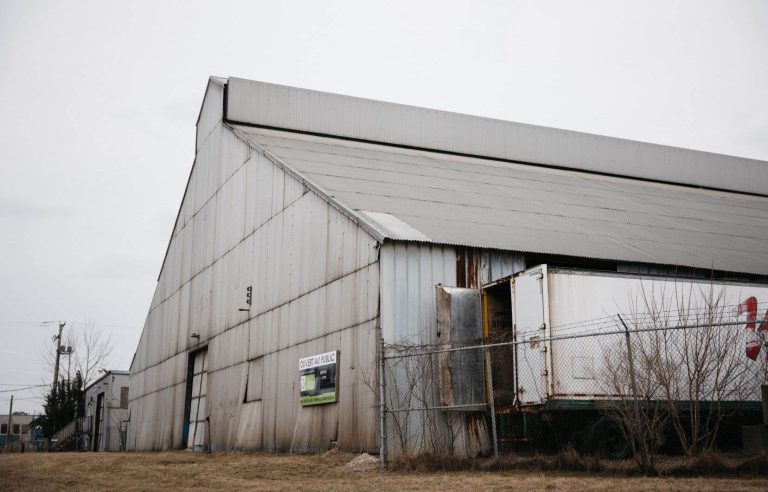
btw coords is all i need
(382, 404)
(633, 383)
(491, 401)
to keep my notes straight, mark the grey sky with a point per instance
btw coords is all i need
(99, 100)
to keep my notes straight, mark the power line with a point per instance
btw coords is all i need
(31, 398)
(45, 324)
(22, 389)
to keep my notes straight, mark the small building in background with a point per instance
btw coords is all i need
(106, 404)
(21, 430)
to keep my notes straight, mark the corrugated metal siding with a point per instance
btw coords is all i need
(491, 204)
(409, 274)
(315, 279)
(304, 110)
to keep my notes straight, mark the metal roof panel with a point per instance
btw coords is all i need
(446, 199)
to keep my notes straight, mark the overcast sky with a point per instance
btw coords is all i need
(98, 102)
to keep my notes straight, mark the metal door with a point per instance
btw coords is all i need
(529, 310)
(99, 419)
(197, 438)
(459, 324)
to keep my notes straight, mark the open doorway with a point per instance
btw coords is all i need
(498, 328)
(195, 431)
(98, 421)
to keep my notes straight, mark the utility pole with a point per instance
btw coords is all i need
(10, 423)
(58, 355)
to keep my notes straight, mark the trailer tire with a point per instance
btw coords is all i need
(608, 439)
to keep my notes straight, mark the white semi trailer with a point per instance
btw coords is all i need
(570, 341)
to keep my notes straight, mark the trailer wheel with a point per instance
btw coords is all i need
(607, 438)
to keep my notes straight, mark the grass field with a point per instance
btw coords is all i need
(330, 471)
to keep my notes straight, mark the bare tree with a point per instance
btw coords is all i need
(693, 367)
(704, 371)
(636, 406)
(92, 349)
(422, 419)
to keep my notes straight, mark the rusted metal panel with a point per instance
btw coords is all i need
(472, 268)
(461, 267)
(459, 318)
(476, 267)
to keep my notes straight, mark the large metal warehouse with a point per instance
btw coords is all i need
(313, 225)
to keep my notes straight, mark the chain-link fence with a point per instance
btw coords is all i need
(115, 438)
(615, 387)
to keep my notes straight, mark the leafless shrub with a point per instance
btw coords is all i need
(636, 406)
(419, 419)
(689, 368)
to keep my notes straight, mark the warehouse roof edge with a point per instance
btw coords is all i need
(275, 106)
(405, 173)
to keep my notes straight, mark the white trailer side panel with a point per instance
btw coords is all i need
(581, 302)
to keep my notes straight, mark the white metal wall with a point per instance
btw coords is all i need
(315, 278)
(409, 273)
(114, 417)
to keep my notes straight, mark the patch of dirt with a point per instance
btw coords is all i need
(364, 462)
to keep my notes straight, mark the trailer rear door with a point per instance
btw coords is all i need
(530, 313)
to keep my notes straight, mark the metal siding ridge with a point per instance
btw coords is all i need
(289, 108)
(358, 219)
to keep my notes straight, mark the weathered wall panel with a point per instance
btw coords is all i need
(409, 273)
(315, 279)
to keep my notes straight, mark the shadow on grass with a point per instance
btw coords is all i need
(569, 460)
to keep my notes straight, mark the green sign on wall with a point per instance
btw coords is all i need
(318, 379)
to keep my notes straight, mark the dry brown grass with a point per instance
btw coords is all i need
(184, 470)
